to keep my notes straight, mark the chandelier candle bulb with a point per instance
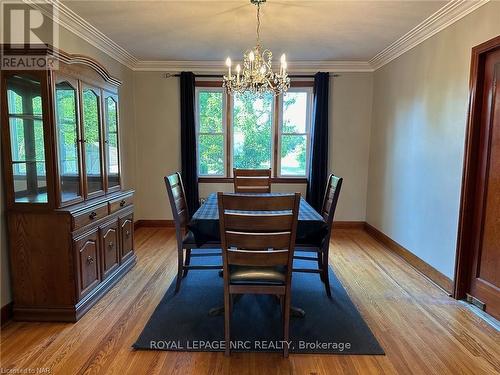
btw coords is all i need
(238, 69)
(228, 63)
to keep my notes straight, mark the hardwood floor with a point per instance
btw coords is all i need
(421, 329)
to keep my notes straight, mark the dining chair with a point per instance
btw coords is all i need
(258, 238)
(185, 238)
(252, 180)
(322, 246)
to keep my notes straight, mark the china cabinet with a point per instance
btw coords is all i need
(70, 223)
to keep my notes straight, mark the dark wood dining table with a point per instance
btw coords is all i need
(204, 224)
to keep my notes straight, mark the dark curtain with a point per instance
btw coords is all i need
(188, 142)
(318, 172)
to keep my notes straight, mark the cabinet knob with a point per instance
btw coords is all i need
(122, 203)
(127, 233)
(92, 215)
(110, 244)
(90, 260)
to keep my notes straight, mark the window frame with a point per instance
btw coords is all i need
(227, 113)
(225, 129)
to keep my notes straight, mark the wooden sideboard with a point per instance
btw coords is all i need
(70, 222)
(63, 261)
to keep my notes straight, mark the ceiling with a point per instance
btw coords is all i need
(207, 30)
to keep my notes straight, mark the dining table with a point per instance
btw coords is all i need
(204, 224)
(311, 227)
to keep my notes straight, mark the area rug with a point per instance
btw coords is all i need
(181, 321)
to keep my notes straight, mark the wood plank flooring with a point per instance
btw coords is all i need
(422, 330)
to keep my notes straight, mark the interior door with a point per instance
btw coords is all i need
(485, 273)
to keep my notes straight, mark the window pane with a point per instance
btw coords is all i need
(294, 112)
(111, 117)
(112, 141)
(252, 131)
(293, 155)
(92, 140)
(211, 154)
(210, 116)
(24, 96)
(28, 160)
(67, 138)
(24, 185)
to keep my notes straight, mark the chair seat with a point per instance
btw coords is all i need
(256, 275)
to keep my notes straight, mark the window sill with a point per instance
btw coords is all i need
(274, 180)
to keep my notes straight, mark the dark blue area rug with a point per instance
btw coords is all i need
(331, 326)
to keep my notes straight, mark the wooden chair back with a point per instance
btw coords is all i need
(258, 230)
(331, 198)
(178, 204)
(252, 180)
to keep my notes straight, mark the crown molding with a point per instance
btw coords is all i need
(216, 66)
(450, 13)
(80, 27)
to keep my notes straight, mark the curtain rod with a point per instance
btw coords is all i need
(168, 75)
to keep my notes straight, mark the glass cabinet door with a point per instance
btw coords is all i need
(66, 113)
(111, 142)
(91, 115)
(27, 145)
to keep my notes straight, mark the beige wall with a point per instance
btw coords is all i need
(350, 123)
(418, 131)
(158, 143)
(72, 44)
(157, 109)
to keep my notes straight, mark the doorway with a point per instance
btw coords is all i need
(477, 272)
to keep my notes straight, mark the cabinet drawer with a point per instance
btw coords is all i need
(87, 255)
(89, 216)
(118, 204)
(109, 248)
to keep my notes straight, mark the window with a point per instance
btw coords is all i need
(253, 131)
(210, 119)
(294, 132)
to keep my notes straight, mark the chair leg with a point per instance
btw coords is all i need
(227, 323)
(187, 262)
(286, 323)
(325, 274)
(180, 267)
(320, 265)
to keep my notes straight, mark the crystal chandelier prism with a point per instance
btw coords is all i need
(257, 75)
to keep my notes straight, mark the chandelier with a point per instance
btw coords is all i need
(257, 75)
